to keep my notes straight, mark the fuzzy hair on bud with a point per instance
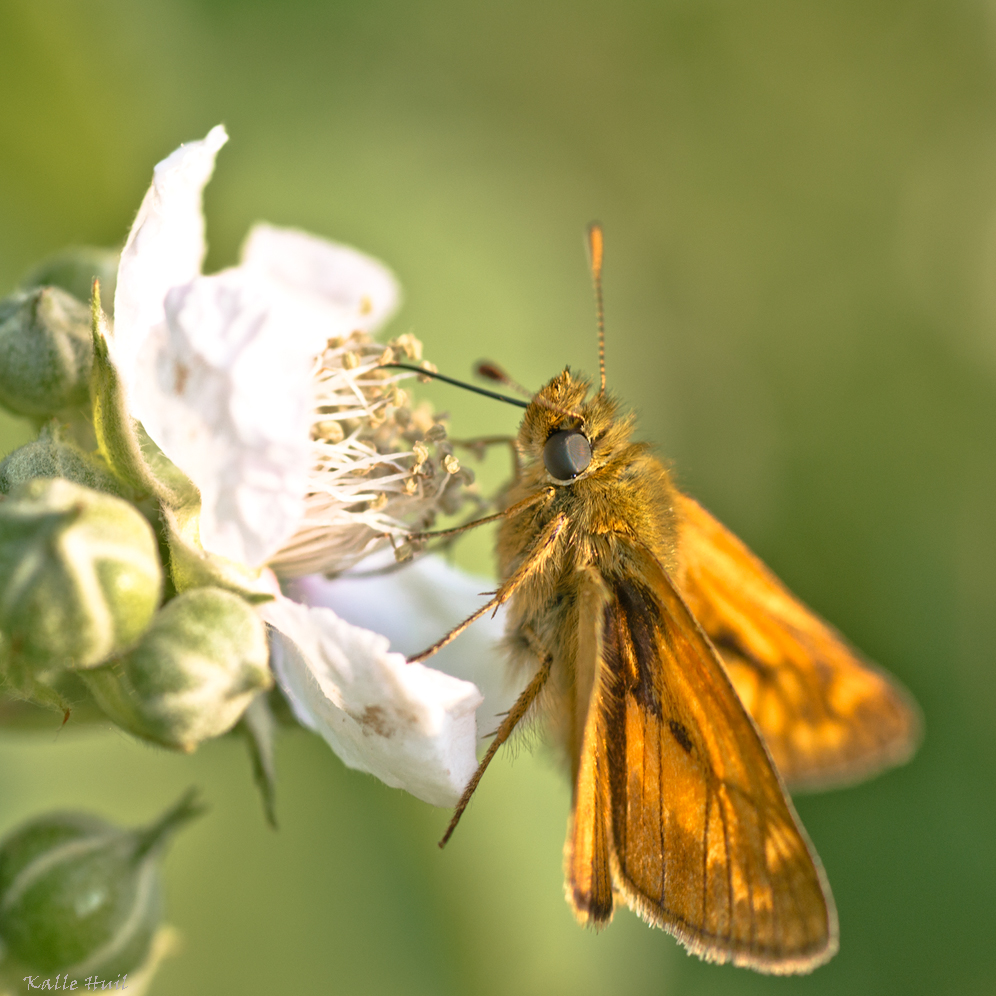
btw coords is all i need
(201, 663)
(80, 577)
(45, 352)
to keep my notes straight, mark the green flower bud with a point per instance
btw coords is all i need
(74, 270)
(53, 455)
(80, 576)
(201, 663)
(46, 352)
(81, 896)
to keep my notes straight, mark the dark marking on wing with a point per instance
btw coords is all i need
(639, 613)
(612, 642)
(680, 734)
(728, 643)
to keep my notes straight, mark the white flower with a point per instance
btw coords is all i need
(261, 383)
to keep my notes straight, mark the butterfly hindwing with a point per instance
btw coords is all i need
(827, 716)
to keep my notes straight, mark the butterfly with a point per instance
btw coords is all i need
(686, 686)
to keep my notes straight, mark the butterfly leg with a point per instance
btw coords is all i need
(536, 499)
(403, 552)
(453, 531)
(509, 723)
(537, 557)
(456, 631)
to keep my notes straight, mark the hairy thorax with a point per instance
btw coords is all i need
(630, 502)
(624, 501)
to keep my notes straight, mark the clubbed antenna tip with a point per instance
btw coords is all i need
(595, 250)
(490, 370)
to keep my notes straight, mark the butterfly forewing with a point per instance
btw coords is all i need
(827, 716)
(702, 840)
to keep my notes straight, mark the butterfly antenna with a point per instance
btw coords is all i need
(595, 247)
(491, 371)
(456, 383)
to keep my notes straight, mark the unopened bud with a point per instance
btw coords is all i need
(81, 896)
(192, 675)
(45, 351)
(74, 270)
(53, 455)
(80, 576)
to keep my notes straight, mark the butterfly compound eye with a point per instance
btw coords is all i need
(567, 453)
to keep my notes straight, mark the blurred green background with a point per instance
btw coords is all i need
(800, 207)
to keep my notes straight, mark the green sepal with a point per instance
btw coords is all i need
(117, 433)
(191, 566)
(192, 675)
(173, 485)
(257, 726)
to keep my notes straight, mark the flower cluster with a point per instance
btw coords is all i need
(216, 453)
(243, 421)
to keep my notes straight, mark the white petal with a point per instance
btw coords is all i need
(165, 246)
(415, 606)
(359, 290)
(411, 726)
(228, 396)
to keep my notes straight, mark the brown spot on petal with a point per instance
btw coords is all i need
(181, 372)
(374, 720)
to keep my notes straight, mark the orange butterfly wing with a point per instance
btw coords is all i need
(828, 717)
(677, 805)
